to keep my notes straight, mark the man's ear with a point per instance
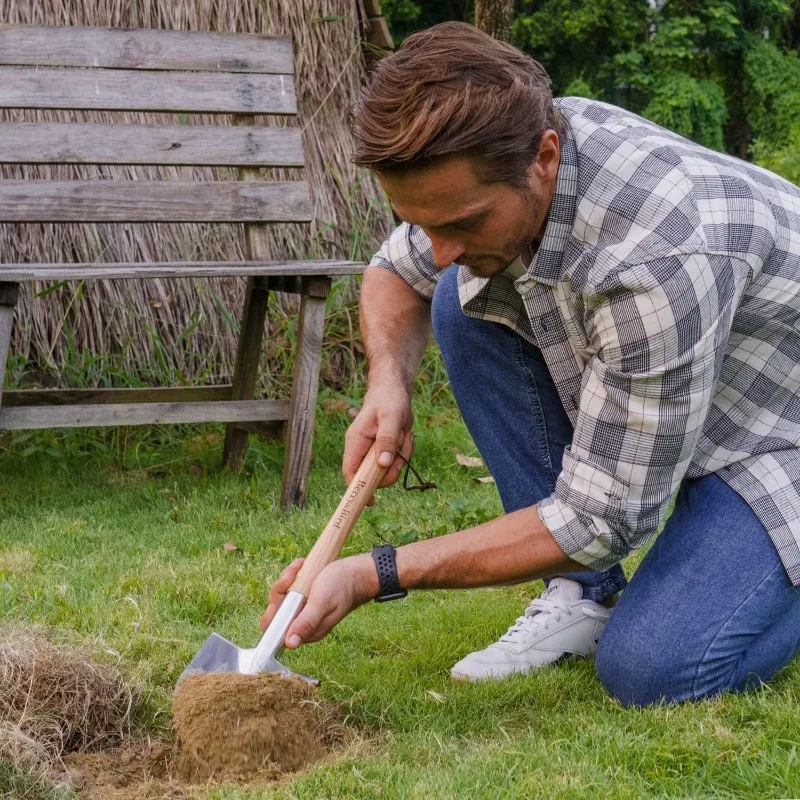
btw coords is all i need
(546, 164)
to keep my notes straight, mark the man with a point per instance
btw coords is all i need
(618, 309)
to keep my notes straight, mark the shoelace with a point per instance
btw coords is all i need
(539, 612)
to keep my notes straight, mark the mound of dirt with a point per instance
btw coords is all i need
(235, 726)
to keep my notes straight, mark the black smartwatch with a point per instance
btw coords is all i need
(384, 557)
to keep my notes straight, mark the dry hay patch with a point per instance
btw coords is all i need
(61, 698)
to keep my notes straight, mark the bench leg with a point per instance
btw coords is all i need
(248, 354)
(9, 294)
(305, 382)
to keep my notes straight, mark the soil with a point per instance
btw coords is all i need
(230, 725)
(138, 772)
(248, 729)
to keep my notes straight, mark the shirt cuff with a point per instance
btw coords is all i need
(583, 539)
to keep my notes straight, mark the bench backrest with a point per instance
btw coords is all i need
(107, 69)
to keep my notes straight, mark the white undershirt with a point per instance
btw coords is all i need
(516, 269)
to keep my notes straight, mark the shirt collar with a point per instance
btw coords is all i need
(546, 266)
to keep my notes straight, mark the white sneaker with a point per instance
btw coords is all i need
(558, 624)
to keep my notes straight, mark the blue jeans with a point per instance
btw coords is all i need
(710, 608)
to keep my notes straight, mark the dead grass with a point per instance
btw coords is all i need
(56, 700)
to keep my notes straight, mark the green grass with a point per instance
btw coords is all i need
(123, 547)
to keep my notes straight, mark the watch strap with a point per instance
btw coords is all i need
(384, 556)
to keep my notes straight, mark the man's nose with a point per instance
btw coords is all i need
(445, 251)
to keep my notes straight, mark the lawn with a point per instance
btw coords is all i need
(128, 554)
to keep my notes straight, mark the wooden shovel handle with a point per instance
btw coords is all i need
(332, 539)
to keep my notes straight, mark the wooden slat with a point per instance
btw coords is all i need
(251, 331)
(22, 418)
(153, 201)
(372, 8)
(378, 33)
(305, 384)
(129, 90)
(9, 294)
(121, 48)
(207, 269)
(267, 430)
(83, 397)
(217, 145)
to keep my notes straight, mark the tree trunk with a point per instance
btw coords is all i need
(495, 17)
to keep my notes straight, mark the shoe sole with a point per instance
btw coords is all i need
(461, 678)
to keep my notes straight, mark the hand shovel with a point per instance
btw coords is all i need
(220, 655)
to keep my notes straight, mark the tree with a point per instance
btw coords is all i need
(495, 17)
(725, 73)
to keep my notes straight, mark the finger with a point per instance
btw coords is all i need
(356, 447)
(278, 591)
(285, 580)
(406, 449)
(388, 439)
(304, 628)
(326, 625)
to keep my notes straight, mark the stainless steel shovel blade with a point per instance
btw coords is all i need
(220, 655)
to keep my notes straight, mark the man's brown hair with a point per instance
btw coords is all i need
(454, 89)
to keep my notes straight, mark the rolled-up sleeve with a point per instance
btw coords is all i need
(408, 254)
(659, 332)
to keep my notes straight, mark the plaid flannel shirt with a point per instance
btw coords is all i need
(665, 298)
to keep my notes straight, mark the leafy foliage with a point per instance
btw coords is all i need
(725, 73)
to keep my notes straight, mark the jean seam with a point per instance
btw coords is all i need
(723, 627)
(543, 441)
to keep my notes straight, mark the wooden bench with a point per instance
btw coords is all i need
(166, 71)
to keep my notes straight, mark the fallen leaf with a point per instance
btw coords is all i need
(196, 469)
(333, 404)
(485, 479)
(230, 547)
(469, 461)
(439, 698)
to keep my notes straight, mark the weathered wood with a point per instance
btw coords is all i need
(305, 383)
(378, 33)
(267, 430)
(212, 145)
(248, 354)
(372, 8)
(251, 332)
(154, 201)
(83, 397)
(30, 418)
(129, 90)
(177, 269)
(9, 294)
(143, 48)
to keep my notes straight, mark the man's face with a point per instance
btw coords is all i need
(484, 226)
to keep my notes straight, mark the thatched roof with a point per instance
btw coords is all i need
(186, 326)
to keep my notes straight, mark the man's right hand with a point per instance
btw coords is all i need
(385, 418)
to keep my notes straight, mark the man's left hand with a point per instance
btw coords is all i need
(341, 586)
